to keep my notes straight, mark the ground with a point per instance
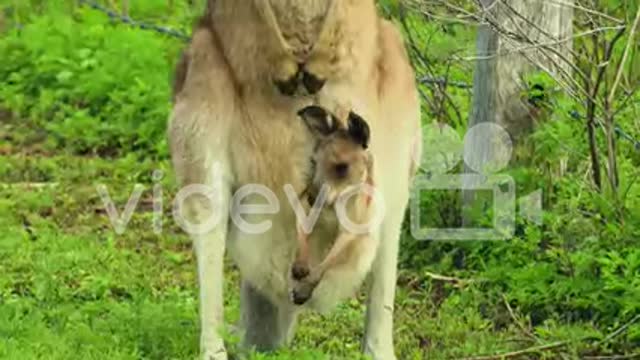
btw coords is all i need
(73, 288)
(84, 102)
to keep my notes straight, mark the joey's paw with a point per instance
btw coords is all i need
(302, 292)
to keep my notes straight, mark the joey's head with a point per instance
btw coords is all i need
(341, 155)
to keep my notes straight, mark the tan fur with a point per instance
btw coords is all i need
(228, 112)
(336, 148)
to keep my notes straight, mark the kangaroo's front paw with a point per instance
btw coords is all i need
(312, 83)
(287, 77)
(288, 87)
(320, 67)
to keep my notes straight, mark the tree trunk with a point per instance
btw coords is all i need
(528, 28)
(508, 47)
(485, 78)
(518, 37)
(125, 8)
(485, 99)
(534, 35)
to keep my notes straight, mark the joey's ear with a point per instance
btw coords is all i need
(319, 120)
(359, 130)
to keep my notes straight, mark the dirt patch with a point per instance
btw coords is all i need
(5, 115)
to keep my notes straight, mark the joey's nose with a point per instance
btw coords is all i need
(341, 170)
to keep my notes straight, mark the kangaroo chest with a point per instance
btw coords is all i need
(301, 22)
(273, 148)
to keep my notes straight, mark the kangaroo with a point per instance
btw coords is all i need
(341, 163)
(250, 66)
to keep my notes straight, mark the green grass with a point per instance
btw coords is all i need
(73, 289)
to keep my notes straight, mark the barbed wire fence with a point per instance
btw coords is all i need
(516, 35)
(125, 19)
(453, 14)
(579, 58)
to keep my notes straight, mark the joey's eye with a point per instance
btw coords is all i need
(341, 170)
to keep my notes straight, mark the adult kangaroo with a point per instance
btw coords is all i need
(250, 67)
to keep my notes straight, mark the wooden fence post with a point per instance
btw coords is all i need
(125, 8)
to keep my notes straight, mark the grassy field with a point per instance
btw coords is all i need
(72, 288)
(84, 102)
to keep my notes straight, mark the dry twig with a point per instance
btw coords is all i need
(612, 357)
(515, 319)
(28, 185)
(627, 50)
(448, 279)
(520, 353)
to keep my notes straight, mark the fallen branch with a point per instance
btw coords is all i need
(620, 330)
(444, 278)
(515, 319)
(612, 357)
(444, 82)
(627, 49)
(519, 353)
(457, 282)
(28, 185)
